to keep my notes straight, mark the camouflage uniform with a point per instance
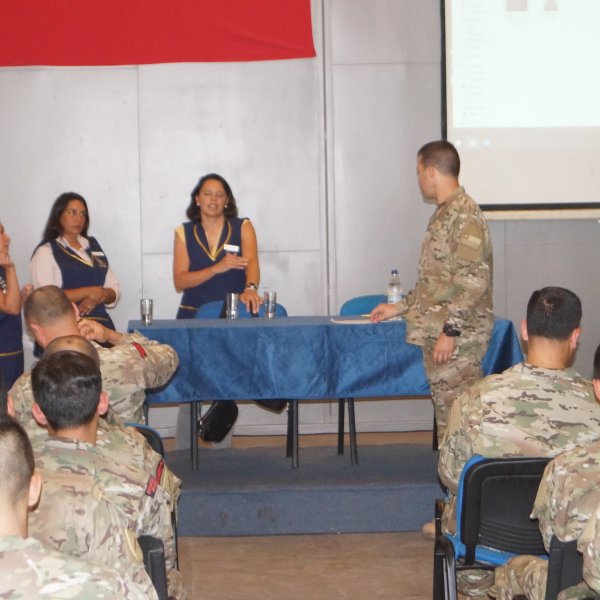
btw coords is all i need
(454, 287)
(142, 505)
(568, 497)
(28, 569)
(131, 367)
(525, 411)
(589, 545)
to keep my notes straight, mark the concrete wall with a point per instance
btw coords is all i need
(320, 154)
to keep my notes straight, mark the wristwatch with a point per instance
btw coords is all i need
(251, 286)
(450, 330)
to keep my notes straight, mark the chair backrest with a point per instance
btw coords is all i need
(361, 305)
(565, 565)
(152, 437)
(495, 506)
(154, 562)
(215, 310)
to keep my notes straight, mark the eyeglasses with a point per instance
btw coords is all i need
(73, 212)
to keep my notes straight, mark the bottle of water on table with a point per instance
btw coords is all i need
(394, 288)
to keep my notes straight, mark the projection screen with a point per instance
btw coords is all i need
(521, 100)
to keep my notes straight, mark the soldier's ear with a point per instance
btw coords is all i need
(596, 383)
(574, 338)
(38, 415)
(10, 407)
(35, 490)
(103, 403)
(524, 333)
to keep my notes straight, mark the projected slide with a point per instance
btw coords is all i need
(523, 99)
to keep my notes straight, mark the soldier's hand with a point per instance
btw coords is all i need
(382, 312)
(443, 349)
(92, 330)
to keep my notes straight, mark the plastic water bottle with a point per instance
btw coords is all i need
(394, 288)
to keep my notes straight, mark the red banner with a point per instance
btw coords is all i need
(126, 32)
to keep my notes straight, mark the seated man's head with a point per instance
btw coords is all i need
(21, 485)
(553, 319)
(67, 387)
(47, 310)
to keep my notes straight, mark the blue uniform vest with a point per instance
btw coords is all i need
(215, 288)
(77, 273)
(11, 342)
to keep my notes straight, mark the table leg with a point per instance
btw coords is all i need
(194, 434)
(294, 405)
(289, 442)
(352, 425)
(341, 411)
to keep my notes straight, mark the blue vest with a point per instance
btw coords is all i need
(77, 273)
(215, 288)
(11, 342)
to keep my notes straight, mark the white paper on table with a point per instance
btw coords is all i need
(361, 321)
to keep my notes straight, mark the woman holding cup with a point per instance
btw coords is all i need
(215, 252)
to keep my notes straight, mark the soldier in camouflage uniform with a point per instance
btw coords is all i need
(67, 388)
(133, 363)
(28, 569)
(449, 312)
(568, 497)
(50, 315)
(537, 408)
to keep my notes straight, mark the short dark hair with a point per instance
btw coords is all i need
(67, 387)
(53, 228)
(75, 343)
(596, 374)
(16, 459)
(442, 155)
(46, 304)
(553, 313)
(193, 210)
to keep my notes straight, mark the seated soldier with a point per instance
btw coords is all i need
(537, 408)
(568, 497)
(67, 387)
(130, 366)
(28, 569)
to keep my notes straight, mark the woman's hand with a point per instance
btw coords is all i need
(94, 296)
(230, 261)
(251, 299)
(5, 260)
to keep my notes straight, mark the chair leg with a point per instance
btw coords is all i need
(444, 570)
(352, 427)
(290, 431)
(341, 425)
(295, 420)
(194, 434)
(434, 442)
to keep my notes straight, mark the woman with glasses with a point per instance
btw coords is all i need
(215, 251)
(11, 332)
(68, 258)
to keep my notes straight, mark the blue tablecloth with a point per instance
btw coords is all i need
(301, 358)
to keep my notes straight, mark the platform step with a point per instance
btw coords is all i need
(254, 491)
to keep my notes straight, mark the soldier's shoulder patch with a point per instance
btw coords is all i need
(141, 350)
(470, 242)
(151, 486)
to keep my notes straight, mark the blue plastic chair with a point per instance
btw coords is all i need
(361, 305)
(213, 310)
(494, 500)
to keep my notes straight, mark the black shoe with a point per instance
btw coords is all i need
(217, 421)
(272, 405)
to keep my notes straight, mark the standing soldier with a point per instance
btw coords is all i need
(449, 311)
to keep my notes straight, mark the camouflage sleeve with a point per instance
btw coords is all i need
(544, 508)
(520, 576)
(457, 446)
(471, 269)
(161, 360)
(589, 545)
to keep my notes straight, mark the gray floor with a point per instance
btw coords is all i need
(315, 567)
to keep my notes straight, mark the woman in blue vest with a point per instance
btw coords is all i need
(67, 258)
(215, 251)
(11, 332)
